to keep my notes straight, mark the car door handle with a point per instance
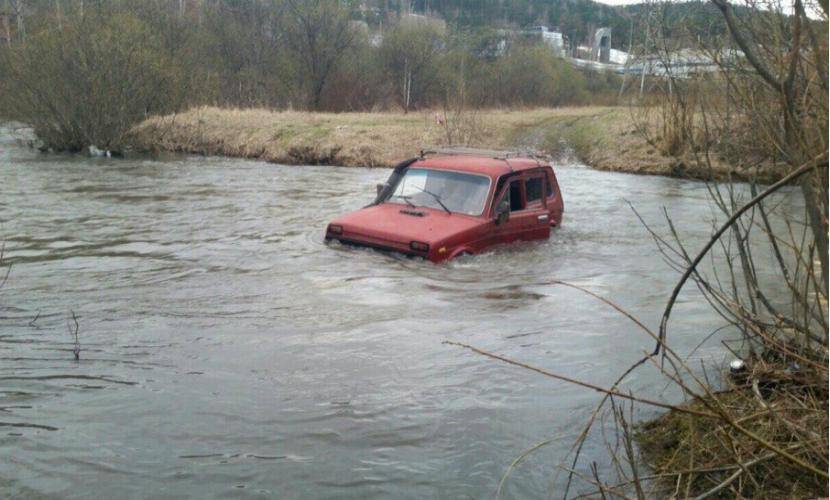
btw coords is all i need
(542, 217)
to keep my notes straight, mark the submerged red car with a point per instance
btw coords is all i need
(451, 202)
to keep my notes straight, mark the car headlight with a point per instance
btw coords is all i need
(419, 246)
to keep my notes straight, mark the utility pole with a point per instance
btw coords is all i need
(628, 57)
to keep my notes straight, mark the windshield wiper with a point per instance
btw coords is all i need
(437, 198)
(404, 198)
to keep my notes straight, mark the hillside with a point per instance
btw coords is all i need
(576, 19)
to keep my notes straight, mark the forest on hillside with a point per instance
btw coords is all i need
(85, 72)
(575, 19)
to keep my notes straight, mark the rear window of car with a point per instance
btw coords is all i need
(533, 189)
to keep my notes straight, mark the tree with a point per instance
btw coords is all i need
(240, 51)
(410, 55)
(318, 35)
(798, 82)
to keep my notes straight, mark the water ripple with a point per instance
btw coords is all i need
(227, 350)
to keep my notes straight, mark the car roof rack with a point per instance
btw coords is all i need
(488, 153)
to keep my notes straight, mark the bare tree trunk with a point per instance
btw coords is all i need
(21, 27)
(7, 30)
(784, 86)
(816, 225)
(407, 86)
(4, 19)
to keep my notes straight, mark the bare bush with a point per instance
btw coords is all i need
(238, 55)
(91, 81)
(464, 126)
(318, 35)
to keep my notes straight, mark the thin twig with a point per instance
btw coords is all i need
(583, 383)
(76, 350)
(807, 167)
(738, 473)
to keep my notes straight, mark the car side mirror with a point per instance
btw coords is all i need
(502, 212)
(379, 188)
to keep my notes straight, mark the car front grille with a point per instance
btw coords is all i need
(375, 243)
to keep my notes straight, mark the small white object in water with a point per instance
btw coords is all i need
(737, 365)
(98, 153)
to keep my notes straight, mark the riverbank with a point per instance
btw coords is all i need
(779, 404)
(605, 138)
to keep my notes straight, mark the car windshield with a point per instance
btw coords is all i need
(443, 190)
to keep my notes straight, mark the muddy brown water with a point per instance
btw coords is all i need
(226, 351)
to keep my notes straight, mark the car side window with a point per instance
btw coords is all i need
(548, 186)
(504, 198)
(515, 191)
(533, 190)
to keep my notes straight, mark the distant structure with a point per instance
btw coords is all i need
(685, 63)
(601, 46)
(541, 34)
(550, 38)
(597, 55)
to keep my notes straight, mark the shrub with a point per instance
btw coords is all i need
(90, 82)
(531, 75)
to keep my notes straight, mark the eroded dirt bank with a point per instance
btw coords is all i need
(603, 137)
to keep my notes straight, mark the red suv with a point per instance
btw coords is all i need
(450, 202)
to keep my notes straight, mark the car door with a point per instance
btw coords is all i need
(527, 221)
(554, 197)
(535, 216)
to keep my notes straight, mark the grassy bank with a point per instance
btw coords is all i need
(603, 137)
(783, 403)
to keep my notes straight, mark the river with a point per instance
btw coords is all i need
(227, 352)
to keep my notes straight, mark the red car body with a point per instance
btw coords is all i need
(522, 203)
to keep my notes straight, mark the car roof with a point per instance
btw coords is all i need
(493, 167)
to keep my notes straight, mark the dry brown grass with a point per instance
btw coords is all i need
(781, 400)
(293, 137)
(360, 139)
(347, 139)
(638, 140)
(605, 138)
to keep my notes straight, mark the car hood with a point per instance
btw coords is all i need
(396, 223)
